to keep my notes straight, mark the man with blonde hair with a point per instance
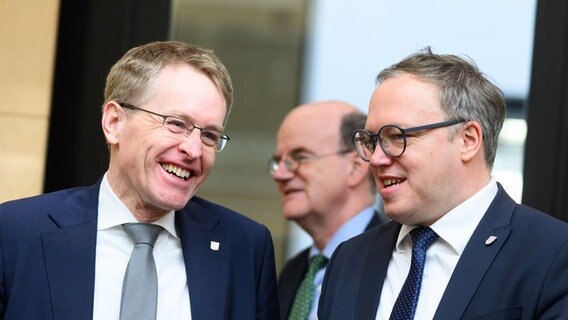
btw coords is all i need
(139, 244)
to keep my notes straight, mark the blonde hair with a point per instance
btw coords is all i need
(130, 79)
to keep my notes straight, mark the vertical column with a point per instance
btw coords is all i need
(546, 149)
(27, 50)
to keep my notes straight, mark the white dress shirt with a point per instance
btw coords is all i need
(454, 230)
(113, 252)
(354, 226)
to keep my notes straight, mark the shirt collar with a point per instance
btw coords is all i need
(354, 226)
(112, 212)
(457, 226)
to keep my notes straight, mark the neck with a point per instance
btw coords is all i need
(322, 226)
(140, 210)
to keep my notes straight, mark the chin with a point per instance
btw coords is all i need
(293, 215)
(174, 204)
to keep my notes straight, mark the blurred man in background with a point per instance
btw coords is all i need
(325, 188)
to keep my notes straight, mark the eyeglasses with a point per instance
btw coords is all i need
(391, 138)
(293, 161)
(209, 137)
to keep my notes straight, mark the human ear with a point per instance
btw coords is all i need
(471, 137)
(358, 169)
(110, 122)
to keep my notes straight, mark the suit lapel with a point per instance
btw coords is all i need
(206, 256)
(376, 220)
(70, 255)
(477, 257)
(290, 280)
(375, 270)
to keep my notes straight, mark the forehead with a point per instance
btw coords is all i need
(310, 130)
(182, 90)
(404, 100)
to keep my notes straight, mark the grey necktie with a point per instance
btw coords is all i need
(140, 286)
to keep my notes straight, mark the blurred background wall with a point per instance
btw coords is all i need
(55, 56)
(27, 54)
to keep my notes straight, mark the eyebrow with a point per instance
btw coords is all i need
(293, 152)
(398, 124)
(189, 119)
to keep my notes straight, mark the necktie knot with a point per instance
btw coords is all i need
(317, 262)
(422, 238)
(142, 233)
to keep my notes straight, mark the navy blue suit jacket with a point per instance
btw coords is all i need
(523, 274)
(47, 259)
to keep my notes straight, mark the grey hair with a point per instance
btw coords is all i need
(465, 92)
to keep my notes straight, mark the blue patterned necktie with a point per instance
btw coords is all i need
(305, 294)
(405, 305)
(140, 286)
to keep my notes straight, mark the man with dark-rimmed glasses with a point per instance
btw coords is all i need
(325, 188)
(458, 246)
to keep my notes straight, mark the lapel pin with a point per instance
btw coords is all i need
(490, 240)
(214, 246)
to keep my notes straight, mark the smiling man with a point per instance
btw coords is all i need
(458, 246)
(139, 244)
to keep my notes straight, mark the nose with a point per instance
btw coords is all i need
(380, 158)
(191, 144)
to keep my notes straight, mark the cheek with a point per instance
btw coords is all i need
(208, 160)
(435, 171)
(327, 184)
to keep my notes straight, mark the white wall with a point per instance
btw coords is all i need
(349, 42)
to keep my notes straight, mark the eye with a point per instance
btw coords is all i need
(176, 125)
(299, 157)
(392, 134)
(210, 137)
(396, 136)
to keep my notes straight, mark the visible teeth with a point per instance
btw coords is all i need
(184, 174)
(390, 182)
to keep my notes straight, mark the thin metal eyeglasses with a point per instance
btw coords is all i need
(209, 137)
(391, 138)
(293, 161)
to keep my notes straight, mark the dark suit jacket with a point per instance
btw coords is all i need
(523, 274)
(293, 272)
(47, 259)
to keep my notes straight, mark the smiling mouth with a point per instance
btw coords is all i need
(176, 171)
(391, 182)
(291, 191)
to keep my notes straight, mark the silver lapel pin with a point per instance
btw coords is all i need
(490, 240)
(214, 245)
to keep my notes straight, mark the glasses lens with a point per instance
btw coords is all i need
(290, 164)
(220, 144)
(272, 165)
(392, 140)
(364, 144)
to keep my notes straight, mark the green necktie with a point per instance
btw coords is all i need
(305, 295)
